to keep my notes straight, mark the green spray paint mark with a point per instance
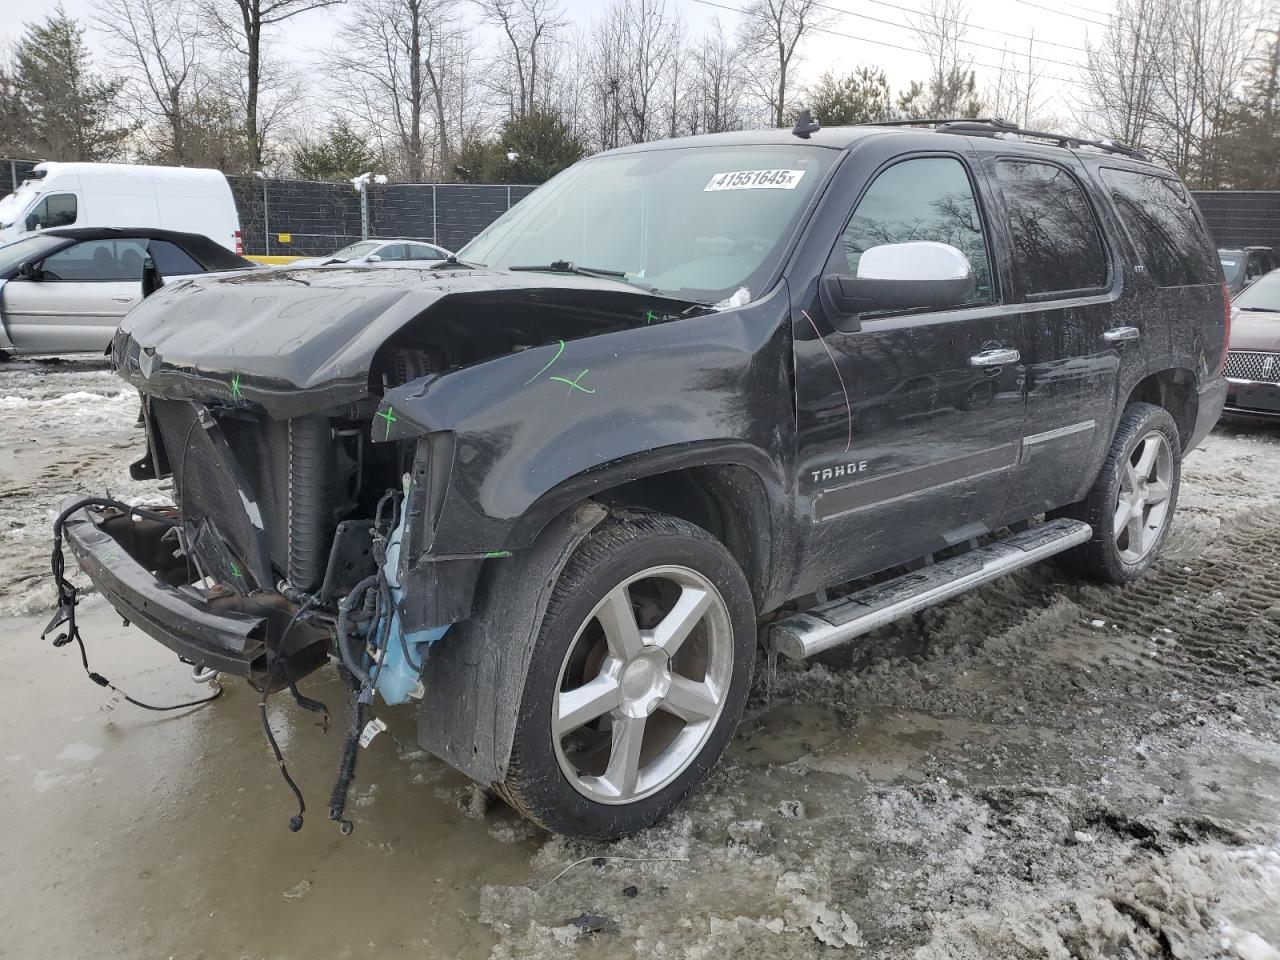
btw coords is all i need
(235, 387)
(650, 316)
(574, 384)
(548, 364)
(494, 554)
(388, 415)
(235, 570)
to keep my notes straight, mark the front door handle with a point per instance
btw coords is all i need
(995, 358)
(1121, 334)
(123, 299)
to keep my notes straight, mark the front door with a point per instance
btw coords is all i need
(909, 426)
(78, 300)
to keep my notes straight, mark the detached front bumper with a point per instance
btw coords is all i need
(218, 628)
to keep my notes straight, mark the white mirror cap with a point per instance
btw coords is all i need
(914, 260)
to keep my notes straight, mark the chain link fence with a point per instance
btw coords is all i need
(310, 218)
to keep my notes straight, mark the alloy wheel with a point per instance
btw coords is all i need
(642, 685)
(1142, 507)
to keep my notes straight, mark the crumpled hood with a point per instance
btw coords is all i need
(1255, 330)
(297, 341)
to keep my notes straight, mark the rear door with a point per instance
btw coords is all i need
(83, 292)
(908, 425)
(1078, 327)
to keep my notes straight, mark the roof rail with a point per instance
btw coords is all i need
(995, 126)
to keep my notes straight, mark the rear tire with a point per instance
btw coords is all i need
(638, 677)
(1132, 501)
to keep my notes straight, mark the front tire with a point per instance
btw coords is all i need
(638, 678)
(1131, 503)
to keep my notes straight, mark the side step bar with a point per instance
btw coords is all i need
(812, 631)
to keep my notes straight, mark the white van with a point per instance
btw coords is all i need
(122, 195)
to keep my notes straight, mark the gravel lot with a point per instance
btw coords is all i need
(1043, 768)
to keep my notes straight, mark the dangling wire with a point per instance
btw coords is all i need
(68, 599)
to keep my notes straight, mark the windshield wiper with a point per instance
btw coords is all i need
(1262, 309)
(565, 266)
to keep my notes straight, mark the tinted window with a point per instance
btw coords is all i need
(1056, 246)
(420, 251)
(97, 260)
(392, 251)
(171, 260)
(925, 199)
(55, 210)
(1159, 217)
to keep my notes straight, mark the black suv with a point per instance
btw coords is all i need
(548, 489)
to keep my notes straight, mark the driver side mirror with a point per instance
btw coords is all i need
(28, 270)
(374, 258)
(151, 279)
(33, 222)
(919, 274)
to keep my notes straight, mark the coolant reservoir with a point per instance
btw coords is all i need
(397, 679)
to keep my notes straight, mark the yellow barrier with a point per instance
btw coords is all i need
(270, 261)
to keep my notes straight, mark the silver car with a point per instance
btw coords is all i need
(382, 253)
(66, 290)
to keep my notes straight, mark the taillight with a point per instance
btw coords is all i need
(1226, 328)
(240, 245)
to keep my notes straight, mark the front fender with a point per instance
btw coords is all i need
(537, 430)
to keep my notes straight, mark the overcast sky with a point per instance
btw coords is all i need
(878, 34)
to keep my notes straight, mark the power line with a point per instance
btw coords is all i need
(996, 30)
(932, 33)
(1064, 13)
(896, 46)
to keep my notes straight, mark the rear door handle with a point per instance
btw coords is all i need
(1121, 334)
(994, 358)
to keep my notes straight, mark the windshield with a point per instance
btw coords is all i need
(353, 252)
(697, 223)
(1264, 294)
(29, 248)
(12, 205)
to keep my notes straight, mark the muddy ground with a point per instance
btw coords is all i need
(1040, 769)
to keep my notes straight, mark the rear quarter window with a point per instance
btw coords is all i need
(1158, 214)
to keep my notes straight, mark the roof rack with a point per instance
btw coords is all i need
(995, 126)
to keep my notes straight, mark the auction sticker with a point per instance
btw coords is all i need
(755, 180)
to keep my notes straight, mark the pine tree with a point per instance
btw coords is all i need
(340, 155)
(1250, 142)
(71, 111)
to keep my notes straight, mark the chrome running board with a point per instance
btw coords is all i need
(812, 631)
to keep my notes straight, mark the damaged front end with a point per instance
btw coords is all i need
(306, 510)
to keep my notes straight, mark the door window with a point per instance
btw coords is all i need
(1057, 247)
(171, 260)
(420, 251)
(391, 252)
(927, 198)
(96, 261)
(55, 210)
(1159, 217)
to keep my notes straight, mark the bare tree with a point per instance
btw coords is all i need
(529, 28)
(634, 48)
(716, 84)
(1165, 78)
(1122, 73)
(1018, 92)
(239, 25)
(771, 32)
(396, 61)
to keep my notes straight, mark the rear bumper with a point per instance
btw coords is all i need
(201, 626)
(1212, 396)
(1253, 398)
